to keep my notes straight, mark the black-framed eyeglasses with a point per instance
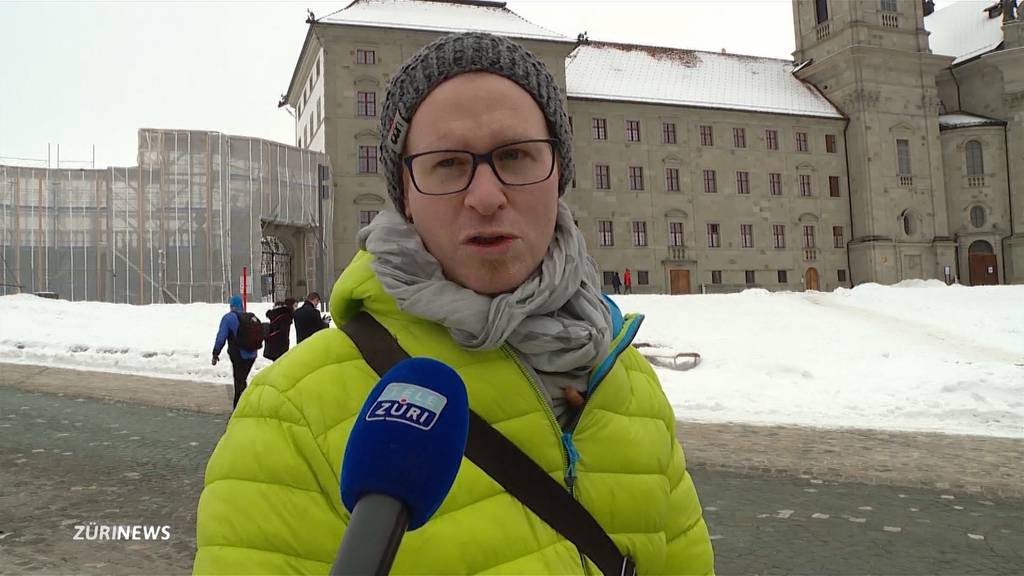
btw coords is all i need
(441, 172)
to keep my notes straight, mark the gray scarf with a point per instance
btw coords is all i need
(556, 319)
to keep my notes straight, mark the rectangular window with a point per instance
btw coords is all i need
(602, 179)
(632, 130)
(783, 277)
(668, 133)
(801, 142)
(707, 136)
(747, 235)
(675, 233)
(749, 276)
(317, 68)
(367, 216)
(808, 236)
(833, 186)
(605, 234)
(366, 56)
(805, 184)
(837, 237)
(642, 278)
(366, 103)
(608, 277)
(639, 233)
(830, 143)
(775, 184)
(743, 182)
(367, 159)
(771, 139)
(710, 182)
(672, 179)
(903, 157)
(888, 5)
(636, 178)
(739, 137)
(820, 11)
(841, 275)
(599, 129)
(714, 239)
(779, 235)
(319, 116)
(716, 276)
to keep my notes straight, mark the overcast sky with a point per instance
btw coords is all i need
(80, 73)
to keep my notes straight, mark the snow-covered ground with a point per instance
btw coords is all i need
(917, 356)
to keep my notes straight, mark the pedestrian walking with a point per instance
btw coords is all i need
(279, 330)
(308, 319)
(627, 282)
(616, 283)
(243, 334)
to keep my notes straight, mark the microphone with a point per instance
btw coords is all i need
(400, 461)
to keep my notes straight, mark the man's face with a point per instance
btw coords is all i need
(490, 237)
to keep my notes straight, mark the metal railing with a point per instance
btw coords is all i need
(975, 181)
(906, 181)
(810, 254)
(890, 20)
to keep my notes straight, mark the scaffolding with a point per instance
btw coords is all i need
(178, 227)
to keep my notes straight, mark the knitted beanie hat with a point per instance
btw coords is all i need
(457, 54)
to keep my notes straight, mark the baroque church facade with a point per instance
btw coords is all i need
(890, 148)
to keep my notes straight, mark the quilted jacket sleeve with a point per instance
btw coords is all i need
(270, 503)
(689, 544)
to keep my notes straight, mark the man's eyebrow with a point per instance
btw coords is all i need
(445, 142)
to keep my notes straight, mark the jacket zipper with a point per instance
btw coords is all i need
(569, 453)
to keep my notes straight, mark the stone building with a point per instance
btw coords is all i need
(890, 148)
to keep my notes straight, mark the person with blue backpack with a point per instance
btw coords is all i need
(243, 333)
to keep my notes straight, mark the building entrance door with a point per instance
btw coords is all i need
(811, 279)
(275, 270)
(679, 281)
(981, 260)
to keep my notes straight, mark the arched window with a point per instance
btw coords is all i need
(975, 159)
(977, 216)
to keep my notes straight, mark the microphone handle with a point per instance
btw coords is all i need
(371, 538)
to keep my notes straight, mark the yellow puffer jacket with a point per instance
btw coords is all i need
(271, 504)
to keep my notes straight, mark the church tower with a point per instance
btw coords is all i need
(871, 59)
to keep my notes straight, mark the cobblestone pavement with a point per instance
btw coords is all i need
(777, 500)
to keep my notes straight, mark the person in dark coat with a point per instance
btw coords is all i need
(241, 358)
(616, 283)
(279, 330)
(308, 319)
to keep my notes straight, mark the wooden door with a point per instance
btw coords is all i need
(811, 279)
(983, 269)
(679, 281)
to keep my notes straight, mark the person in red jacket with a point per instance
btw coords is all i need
(627, 282)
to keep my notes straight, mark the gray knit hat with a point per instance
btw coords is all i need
(457, 54)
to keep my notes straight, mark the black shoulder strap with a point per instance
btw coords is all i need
(505, 462)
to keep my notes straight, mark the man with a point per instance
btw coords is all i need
(627, 282)
(481, 267)
(241, 358)
(280, 329)
(616, 283)
(308, 319)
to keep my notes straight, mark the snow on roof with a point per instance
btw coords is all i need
(624, 72)
(964, 30)
(477, 16)
(960, 120)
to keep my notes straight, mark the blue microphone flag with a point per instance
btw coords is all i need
(408, 439)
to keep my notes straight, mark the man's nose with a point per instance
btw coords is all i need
(486, 194)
